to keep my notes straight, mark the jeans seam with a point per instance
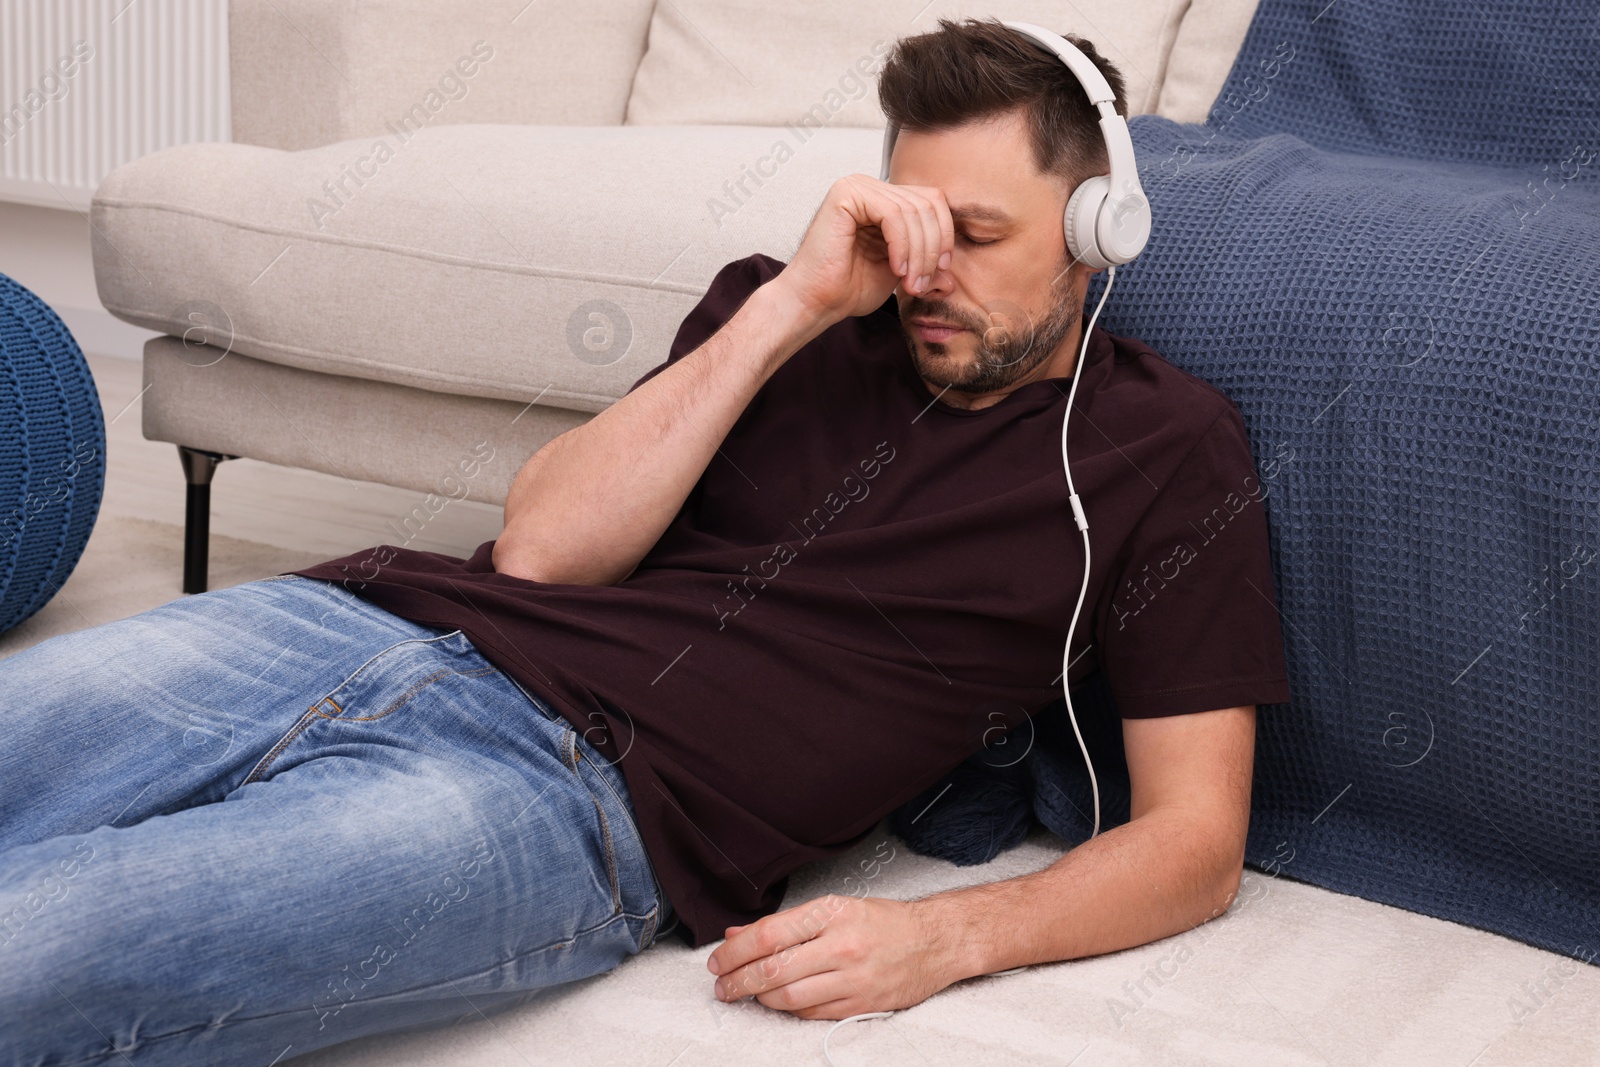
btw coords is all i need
(402, 699)
(633, 820)
(555, 717)
(611, 855)
(277, 750)
(597, 927)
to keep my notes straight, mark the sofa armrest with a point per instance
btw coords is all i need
(313, 72)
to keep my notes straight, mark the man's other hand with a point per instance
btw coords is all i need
(866, 237)
(833, 957)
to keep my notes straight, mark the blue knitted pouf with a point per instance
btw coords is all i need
(52, 453)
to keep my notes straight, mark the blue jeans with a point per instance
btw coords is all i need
(262, 820)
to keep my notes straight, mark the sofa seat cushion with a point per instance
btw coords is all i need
(548, 263)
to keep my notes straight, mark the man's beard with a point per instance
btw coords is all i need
(1009, 345)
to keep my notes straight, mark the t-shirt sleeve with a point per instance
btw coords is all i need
(1191, 623)
(727, 293)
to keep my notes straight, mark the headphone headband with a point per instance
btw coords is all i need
(1107, 220)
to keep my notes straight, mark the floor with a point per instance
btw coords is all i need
(1293, 974)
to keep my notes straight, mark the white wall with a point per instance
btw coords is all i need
(86, 85)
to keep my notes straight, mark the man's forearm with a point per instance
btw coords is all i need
(586, 507)
(1155, 876)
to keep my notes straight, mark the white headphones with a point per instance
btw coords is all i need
(1107, 220)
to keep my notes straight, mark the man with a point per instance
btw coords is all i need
(733, 621)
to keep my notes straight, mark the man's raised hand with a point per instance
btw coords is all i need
(866, 237)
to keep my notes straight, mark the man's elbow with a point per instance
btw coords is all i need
(1227, 890)
(509, 557)
(1227, 865)
(517, 557)
(1218, 859)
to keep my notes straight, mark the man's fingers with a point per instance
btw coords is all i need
(788, 965)
(842, 1008)
(944, 241)
(947, 235)
(895, 215)
(744, 945)
(909, 227)
(925, 240)
(837, 269)
(930, 234)
(931, 241)
(800, 994)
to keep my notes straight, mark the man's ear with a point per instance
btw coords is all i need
(1078, 276)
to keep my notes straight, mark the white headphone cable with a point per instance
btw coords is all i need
(1083, 527)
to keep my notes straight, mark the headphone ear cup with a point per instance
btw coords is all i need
(1080, 218)
(1123, 228)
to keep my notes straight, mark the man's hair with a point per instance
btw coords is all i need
(980, 69)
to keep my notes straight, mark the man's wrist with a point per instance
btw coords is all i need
(951, 951)
(796, 321)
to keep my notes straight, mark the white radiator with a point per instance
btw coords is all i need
(86, 85)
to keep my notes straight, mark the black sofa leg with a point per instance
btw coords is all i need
(198, 467)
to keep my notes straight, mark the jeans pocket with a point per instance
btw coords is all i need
(388, 681)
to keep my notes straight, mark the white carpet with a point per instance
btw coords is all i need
(1292, 975)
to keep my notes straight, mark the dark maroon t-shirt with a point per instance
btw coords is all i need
(866, 583)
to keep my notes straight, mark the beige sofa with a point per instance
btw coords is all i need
(446, 224)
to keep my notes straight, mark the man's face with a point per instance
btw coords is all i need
(1012, 289)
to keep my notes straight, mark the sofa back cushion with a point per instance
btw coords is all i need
(1208, 42)
(309, 72)
(755, 63)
